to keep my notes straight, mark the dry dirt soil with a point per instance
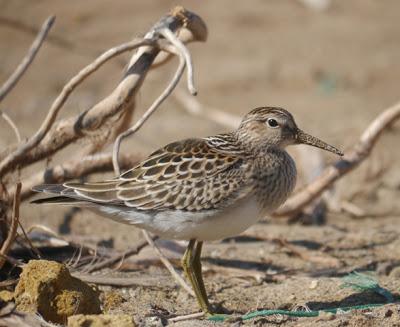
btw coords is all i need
(335, 70)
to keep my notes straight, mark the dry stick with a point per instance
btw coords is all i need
(341, 167)
(28, 59)
(187, 317)
(14, 226)
(171, 37)
(33, 248)
(147, 114)
(63, 96)
(12, 125)
(111, 261)
(168, 264)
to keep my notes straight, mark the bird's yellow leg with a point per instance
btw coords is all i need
(188, 266)
(199, 276)
(203, 299)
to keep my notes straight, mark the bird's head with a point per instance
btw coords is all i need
(271, 126)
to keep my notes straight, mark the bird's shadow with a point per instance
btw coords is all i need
(356, 299)
(244, 264)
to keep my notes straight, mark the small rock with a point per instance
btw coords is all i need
(313, 284)
(47, 288)
(6, 296)
(101, 321)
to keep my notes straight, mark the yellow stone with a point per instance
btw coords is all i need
(47, 288)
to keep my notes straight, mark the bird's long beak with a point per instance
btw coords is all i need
(305, 138)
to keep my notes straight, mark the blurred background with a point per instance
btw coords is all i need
(335, 68)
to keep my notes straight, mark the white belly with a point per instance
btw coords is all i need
(183, 225)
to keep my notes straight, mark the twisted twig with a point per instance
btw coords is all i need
(28, 59)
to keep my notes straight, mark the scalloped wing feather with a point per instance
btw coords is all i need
(187, 175)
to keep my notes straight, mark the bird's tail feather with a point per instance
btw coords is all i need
(60, 195)
(78, 194)
(63, 200)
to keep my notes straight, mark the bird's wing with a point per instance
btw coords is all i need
(187, 175)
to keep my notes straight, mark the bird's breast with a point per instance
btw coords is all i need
(274, 180)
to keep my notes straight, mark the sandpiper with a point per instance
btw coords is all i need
(201, 189)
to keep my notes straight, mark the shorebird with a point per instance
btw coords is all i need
(201, 189)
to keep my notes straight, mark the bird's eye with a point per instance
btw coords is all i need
(272, 123)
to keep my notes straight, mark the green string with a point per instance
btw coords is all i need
(263, 313)
(355, 280)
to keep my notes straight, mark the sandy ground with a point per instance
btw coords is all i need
(334, 70)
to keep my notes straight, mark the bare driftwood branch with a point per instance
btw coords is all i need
(350, 161)
(111, 109)
(28, 59)
(12, 233)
